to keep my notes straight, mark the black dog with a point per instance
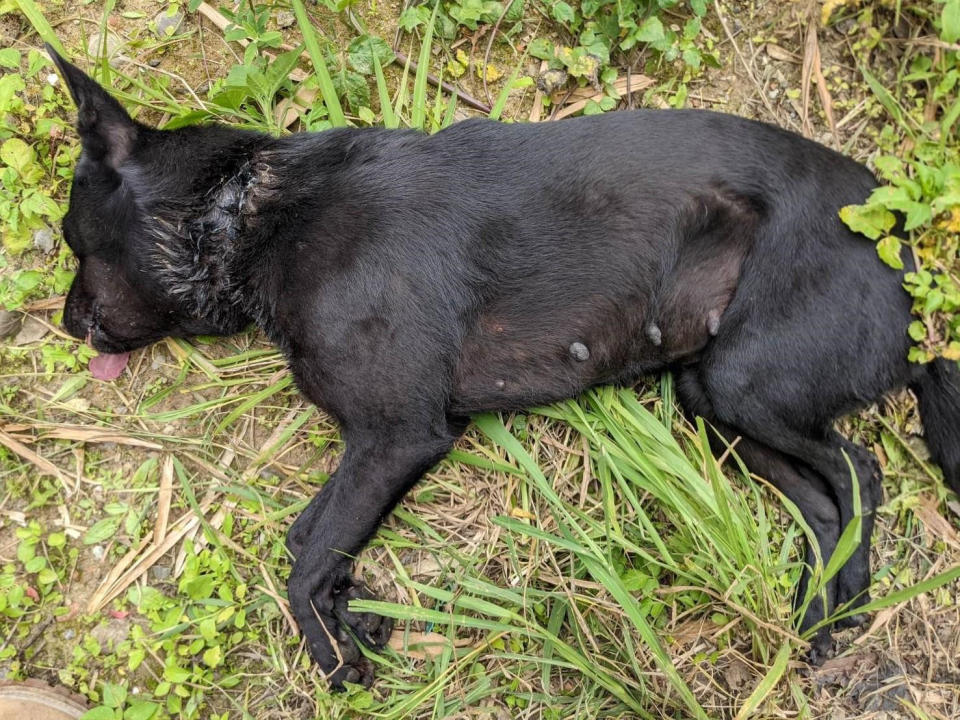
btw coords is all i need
(414, 280)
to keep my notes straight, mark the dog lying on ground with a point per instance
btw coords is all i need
(414, 280)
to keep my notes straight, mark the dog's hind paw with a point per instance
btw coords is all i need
(369, 628)
(852, 621)
(821, 648)
(857, 619)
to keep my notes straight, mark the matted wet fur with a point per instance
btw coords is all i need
(413, 280)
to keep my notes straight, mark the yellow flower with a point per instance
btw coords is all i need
(830, 5)
(493, 73)
(952, 223)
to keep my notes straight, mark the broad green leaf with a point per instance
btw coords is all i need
(650, 30)
(213, 656)
(353, 87)
(101, 531)
(37, 204)
(199, 587)
(542, 49)
(10, 58)
(100, 713)
(176, 674)
(563, 12)
(362, 49)
(950, 21)
(10, 85)
(917, 331)
(874, 221)
(17, 154)
(140, 710)
(889, 251)
(514, 11)
(114, 695)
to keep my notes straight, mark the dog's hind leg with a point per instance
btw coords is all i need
(754, 395)
(853, 579)
(799, 484)
(938, 390)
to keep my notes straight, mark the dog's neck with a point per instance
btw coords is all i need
(200, 257)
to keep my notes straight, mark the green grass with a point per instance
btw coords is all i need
(590, 559)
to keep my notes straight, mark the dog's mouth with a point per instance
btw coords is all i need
(106, 366)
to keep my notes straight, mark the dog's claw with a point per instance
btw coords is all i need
(371, 629)
(348, 665)
(358, 673)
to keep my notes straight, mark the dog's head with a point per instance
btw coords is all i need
(134, 191)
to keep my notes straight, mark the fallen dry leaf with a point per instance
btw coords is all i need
(44, 465)
(422, 645)
(812, 70)
(86, 434)
(777, 52)
(936, 525)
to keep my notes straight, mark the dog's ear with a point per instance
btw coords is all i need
(106, 130)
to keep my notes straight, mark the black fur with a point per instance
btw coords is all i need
(414, 280)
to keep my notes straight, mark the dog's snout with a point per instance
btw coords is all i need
(78, 313)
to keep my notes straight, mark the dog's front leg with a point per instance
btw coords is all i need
(376, 471)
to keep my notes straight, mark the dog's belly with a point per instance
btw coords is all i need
(500, 370)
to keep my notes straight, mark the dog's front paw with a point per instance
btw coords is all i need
(332, 631)
(369, 628)
(335, 651)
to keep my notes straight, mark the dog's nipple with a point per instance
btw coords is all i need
(501, 384)
(579, 352)
(713, 322)
(654, 334)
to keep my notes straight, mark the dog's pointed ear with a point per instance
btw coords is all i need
(106, 130)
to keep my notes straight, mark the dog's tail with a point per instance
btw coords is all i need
(938, 390)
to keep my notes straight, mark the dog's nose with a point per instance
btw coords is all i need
(78, 314)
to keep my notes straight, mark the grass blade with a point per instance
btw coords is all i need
(327, 91)
(35, 16)
(386, 106)
(766, 685)
(497, 110)
(908, 593)
(449, 115)
(888, 101)
(419, 109)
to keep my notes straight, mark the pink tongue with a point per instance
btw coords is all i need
(108, 367)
